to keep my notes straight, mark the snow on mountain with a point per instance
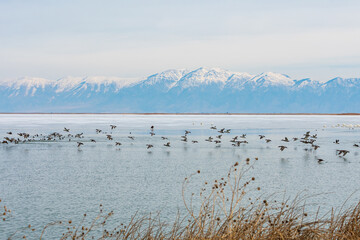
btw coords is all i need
(93, 83)
(272, 79)
(348, 82)
(238, 81)
(30, 84)
(166, 79)
(204, 76)
(200, 90)
(307, 82)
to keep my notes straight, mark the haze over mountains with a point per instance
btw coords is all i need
(204, 90)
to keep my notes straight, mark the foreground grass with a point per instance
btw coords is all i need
(226, 212)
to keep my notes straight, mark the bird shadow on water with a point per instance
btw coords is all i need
(284, 161)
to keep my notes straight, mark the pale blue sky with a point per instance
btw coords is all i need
(51, 38)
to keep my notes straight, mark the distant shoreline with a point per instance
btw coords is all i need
(275, 114)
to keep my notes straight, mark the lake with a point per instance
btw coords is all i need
(44, 181)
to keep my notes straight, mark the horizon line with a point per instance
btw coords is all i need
(154, 113)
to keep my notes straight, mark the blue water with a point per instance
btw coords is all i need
(44, 181)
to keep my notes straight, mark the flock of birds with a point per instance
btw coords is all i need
(307, 139)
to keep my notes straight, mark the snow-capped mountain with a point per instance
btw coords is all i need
(199, 90)
(204, 77)
(272, 79)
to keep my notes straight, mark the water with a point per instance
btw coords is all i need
(47, 181)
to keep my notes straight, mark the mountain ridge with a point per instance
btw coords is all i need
(182, 90)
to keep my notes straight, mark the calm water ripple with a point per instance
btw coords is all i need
(46, 181)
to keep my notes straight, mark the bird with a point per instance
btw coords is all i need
(98, 131)
(187, 132)
(152, 133)
(184, 138)
(337, 141)
(217, 141)
(282, 148)
(219, 136)
(222, 130)
(149, 146)
(344, 152)
(261, 136)
(194, 141)
(92, 140)
(131, 137)
(109, 137)
(234, 139)
(307, 134)
(356, 145)
(320, 160)
(66, 129)
(268, 140)
(152, 128)
(285, 139)
(9, 133)
(315, 146)
(309, 141)
(4, 142)
(112, 127)
(243, 136)
(209, 139)
(164, 138)
(227, 130)
(295, 139)
(79, 144)
(167, 144)
(117, 143)
(79, 135)
(213, 127)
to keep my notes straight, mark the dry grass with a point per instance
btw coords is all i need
(226, 212)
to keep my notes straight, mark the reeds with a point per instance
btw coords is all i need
(225, 209)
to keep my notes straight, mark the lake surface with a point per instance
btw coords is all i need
(44, 181)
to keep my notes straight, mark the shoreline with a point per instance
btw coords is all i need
(236, 114)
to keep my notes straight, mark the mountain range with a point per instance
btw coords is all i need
(204, 90)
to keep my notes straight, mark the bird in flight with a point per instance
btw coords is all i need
(282, 148)
(343, 152)
(320, 160)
